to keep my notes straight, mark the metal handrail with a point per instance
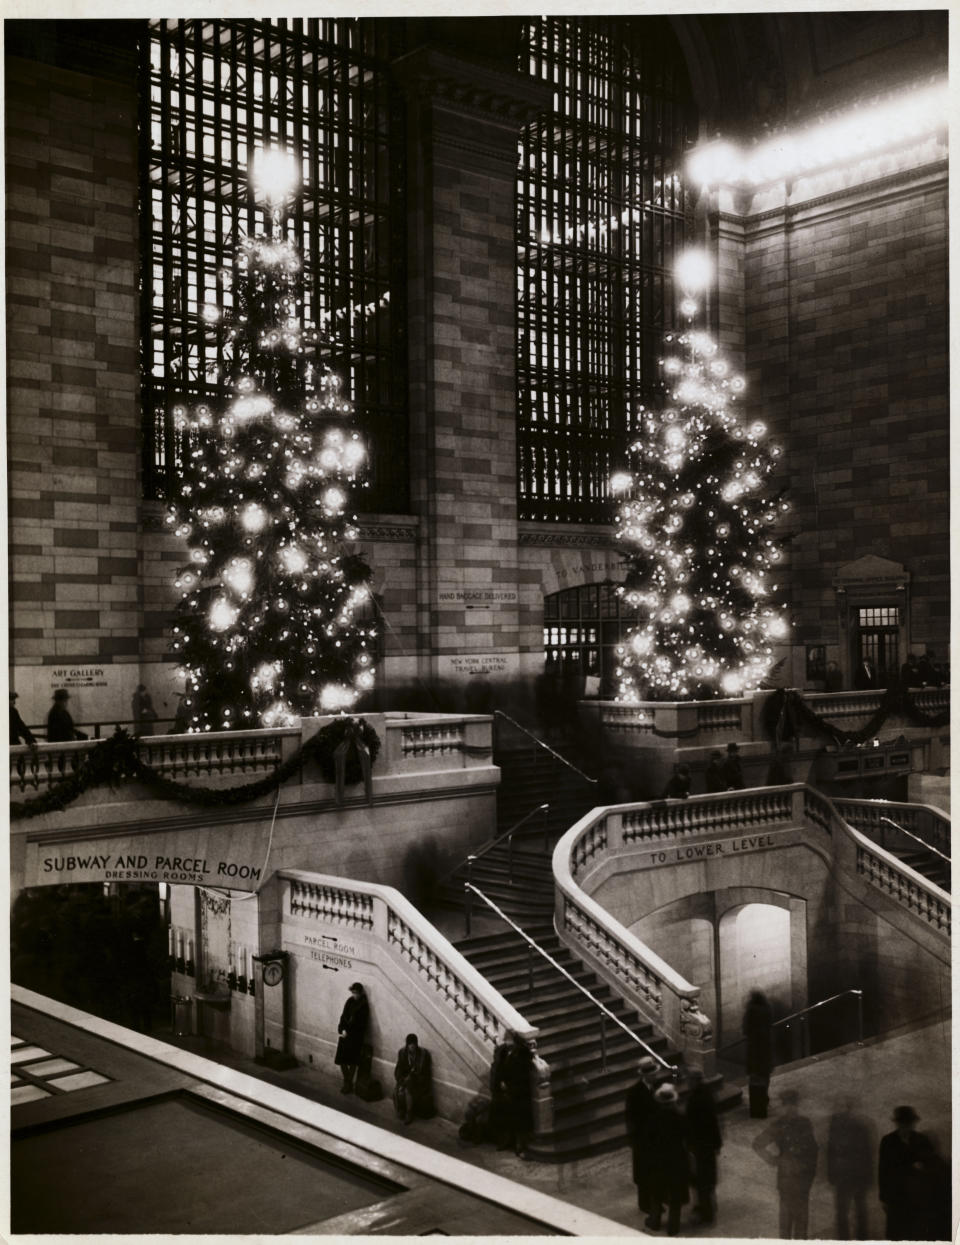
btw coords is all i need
(813, 1007)
(507, 834)
(498, 713)
(605, 1012)
(916, 838)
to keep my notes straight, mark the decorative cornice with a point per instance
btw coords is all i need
(472, 87)
(602, 538)
(396, 533)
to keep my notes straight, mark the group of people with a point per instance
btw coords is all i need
(412, 1074)
(723, 773)
(674, 1149)
(919, 670)
(60, 724)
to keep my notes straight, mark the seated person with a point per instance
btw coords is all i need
(413, 1093)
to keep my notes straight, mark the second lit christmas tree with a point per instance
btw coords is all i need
(695, 525)
(266, 630)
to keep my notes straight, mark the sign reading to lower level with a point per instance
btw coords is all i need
(687, 852)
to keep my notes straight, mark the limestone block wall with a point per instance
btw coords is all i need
(73, 413)
(846, 360)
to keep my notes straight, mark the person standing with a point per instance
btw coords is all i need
(713, 779)
(60, 727)
(352, 1029)
(865, 676)
(905, 1178)
(788, 1144)
(678, 787)
(669, 1163)
(19, 731)
(850, 1168)
(704, 1141)
(638, 1111)
(731, 771)
(757, 1028)
(511, 1087)
(413, 1093)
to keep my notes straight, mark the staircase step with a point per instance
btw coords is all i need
(538, 931)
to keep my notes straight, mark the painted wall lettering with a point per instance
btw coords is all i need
(706, 851)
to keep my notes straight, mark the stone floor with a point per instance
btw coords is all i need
(912, 1067)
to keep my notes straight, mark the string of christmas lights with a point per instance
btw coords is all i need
(696, 525)
(266, 630)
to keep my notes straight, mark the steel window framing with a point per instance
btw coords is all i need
(213, 91)
(600, 212)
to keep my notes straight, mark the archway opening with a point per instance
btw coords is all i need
(754, 954)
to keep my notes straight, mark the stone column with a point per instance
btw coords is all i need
(463, 123)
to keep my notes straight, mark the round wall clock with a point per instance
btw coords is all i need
(272, 973)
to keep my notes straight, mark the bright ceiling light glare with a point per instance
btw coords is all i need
(693, 269)
(713, 164)
(274, 175)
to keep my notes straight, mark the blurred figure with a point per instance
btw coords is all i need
(778, 774)
(910, 674)
(907, 1177)
(713, 775)
(60, 727)
(865, 675)
(669, 1164)
(833, 678)
(704, 1140)
(732, 773)
(678, 788)
(638, 1109)
(757, 1028)
(511, 1087)
(788, 1144)
(144, 714)
(930, 675)
(19, 731)
(850, 1148)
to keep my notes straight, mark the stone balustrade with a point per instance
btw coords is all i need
(395, 950)
(606, 841)
(872, 818)
(410, 743)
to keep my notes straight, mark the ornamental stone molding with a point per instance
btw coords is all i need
(429, 73)
(386, 532)
(600, 539)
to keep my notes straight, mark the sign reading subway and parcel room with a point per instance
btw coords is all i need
(85, 866)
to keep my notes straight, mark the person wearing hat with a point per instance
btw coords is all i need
(789, 1145)
(638, 1111)
(413, 1092)
(19, 731)
(351, 1030)
(60, 727)
(713, 777)
(730, 769)
(669, 1162)
(906, 1178)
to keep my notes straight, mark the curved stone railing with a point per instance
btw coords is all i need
(410, 743)
(872, 818)
(593, 849)
(405, 945)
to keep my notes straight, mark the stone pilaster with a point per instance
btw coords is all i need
(463, 124)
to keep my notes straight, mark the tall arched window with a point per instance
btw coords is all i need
(600, 212)
(215, 91)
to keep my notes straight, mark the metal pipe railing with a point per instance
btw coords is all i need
(802, 1014)
(508, 835)
(498, 713)
(605, 1013)
(916, 838)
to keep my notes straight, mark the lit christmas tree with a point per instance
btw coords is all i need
(265, 630)
(695, 524)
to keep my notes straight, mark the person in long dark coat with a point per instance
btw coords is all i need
(713, 779)
(638, 1111)
(352, 1029)
(906, 1178)
(19, 731)
(60, 727)
(850, 1149)
(511, 1086)
(731, 769)
(669, 1162)
(757, 1028)
(704, 1140)
(413, 1093)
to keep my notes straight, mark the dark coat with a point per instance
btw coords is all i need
(758, 1030)
(906, 1177)
(713, 779)
(702, 1125)
(732, 773)
(511, 1079)
(796, 1153)
(864, 677)
(639, 1108)
(18, 728)
(416, 1075)
(60, 727)
(668, 1158)
(353, 1024)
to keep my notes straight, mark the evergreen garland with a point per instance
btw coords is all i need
(785, 711)
(118, 758)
